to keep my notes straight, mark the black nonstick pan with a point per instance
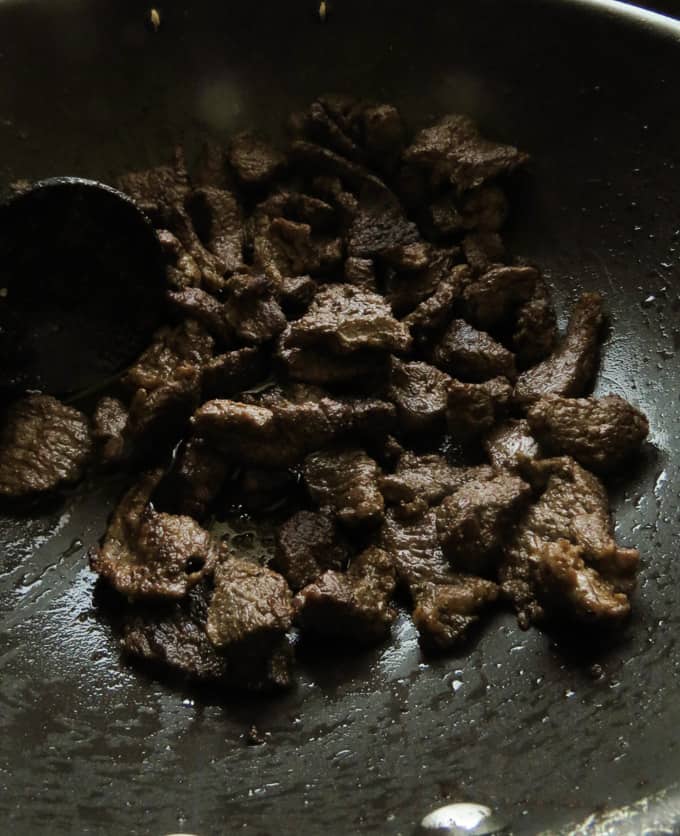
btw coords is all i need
(366, 743)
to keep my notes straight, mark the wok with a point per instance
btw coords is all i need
(367, 742)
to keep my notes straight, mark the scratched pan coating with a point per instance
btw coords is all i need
(367, 742)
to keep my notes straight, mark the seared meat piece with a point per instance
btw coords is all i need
(315, 160)
(254, 161)
(568, 588)
(345, 319)
(453, 151)
(218, 221)
(210, 168)
(250, 610)
(312, 365)
(295, 294)
(180, 267)
(473, 408)
(472, 524)
(431, 315)
(178, 222)
(331, 121)
(414, 547)
(442, 219)
(308, 544)
(483, 250)
(492, 297)
(536, 327)
(344, 202)
(286, 248)
(204, 308)
(570, 368)
(350, 605)
(360, 272)
(404, 291)
(149, 554)
(573, 507)
(509, 444)
(173, 636)
(419, 392)
(195, 479)
(234, 371)
(484, 209)
(380, 231)
(383, 134)
(427, 480)
(469, 354)
(300, 207)
(108, 424)
(43, 445)
(284, 425)
(251, 309)
(157, 191)
(444, 613)
(344, 482)
(600, 433)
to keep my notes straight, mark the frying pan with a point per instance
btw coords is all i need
(366, 742)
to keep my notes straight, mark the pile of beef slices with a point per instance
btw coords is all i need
(348, 343)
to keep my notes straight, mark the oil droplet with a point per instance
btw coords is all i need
(463, 818)
(456, 685)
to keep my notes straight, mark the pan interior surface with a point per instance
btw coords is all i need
(524, 723)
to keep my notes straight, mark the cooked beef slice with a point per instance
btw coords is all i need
(344, 483)
(414, 547)
(283, 425)
(204, 308)
(287, 248)
(255, 162)
(432, 314)
(252, 310)
(360, 272)
(210, 168)
(453, 151)
(491, 299)
(510, 443)
(173, 636)
(250, 609)
(568, 588)
(380, 231)
(444, 613)
(426, 479)
(307, 545)
(442, 220)
(600, 433)
(300, 207)
(157, 191)
(345, 203)
(484, 209)
(181, 225)
(194, 480)
(330, 123)
(473, 523)
(313, 159)
(419, 391)
(469, 354)
(473, 408)
(234, 371)
(181, 269)
(149, 554)
(405, 291)
(108, 424)
(483, 250)
(573, 506)
(535, 331)
(295, 294)
(383, 134)
(43, 445)
(343, 319)
(218, 221)
(350, 605)
(313, 365)
(569, 370)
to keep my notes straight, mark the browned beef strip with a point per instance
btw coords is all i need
(430, 317)
(510, 443)
(251, 309)
(473, 408)
(195, 479)
(484, 209)
(210, 168)
(234, 371)
(360, 272)
(380, 230)
(255, 162)
(383, 134)
(218, 221)
(492, 297)
(158, 190)
(344, 483)
(406, 290)
(473, 523)
(363, 368)
(452, 150)
(570, 368)
(300, 207)
(483, 250)
(149, 554)
(313, 159)
(181, 269)
(307, 545)
(282, 247)
(469, 354)
(295, 294)
(350, 605)
(573, 506)
(535, 332)
(600, 433)
(108, 424)
(204, 308)
(44, 445)
(419, 391)
(330, 121)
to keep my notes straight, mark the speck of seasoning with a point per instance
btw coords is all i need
(323, 11)
(155, 19)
